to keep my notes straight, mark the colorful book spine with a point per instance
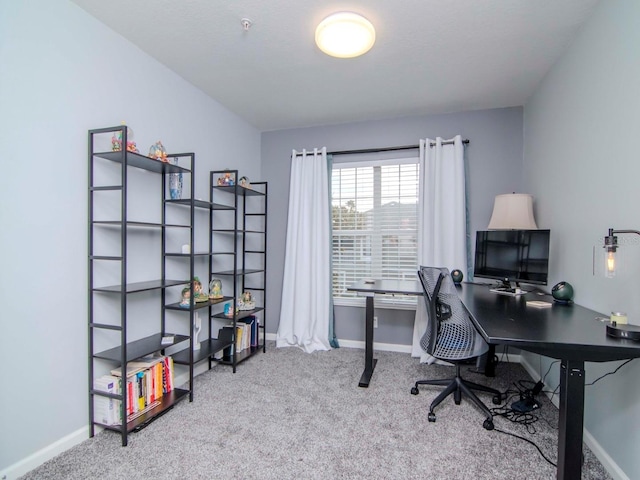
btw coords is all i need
(141, 390)
(167, 374)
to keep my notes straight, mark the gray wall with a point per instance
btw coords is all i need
(581, 163)
(63, 73)
(495, 166)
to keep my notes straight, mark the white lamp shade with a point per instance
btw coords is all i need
(513, 211)
(345, 35)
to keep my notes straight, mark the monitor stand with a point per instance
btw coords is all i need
(506, 288)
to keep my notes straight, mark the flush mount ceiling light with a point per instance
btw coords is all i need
(345, 35)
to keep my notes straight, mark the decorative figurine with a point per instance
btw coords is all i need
(116, 141)
(158, 152)
(244, 182)
(131, 146)
(197, 285)
(215, 288)
(246, 301)
(186, 296)
(198, 295)
(226, 180)
(197, 288)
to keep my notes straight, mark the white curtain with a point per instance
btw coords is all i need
(442, 222)
(306, 290)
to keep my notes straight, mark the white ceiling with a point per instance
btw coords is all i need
(430, 56)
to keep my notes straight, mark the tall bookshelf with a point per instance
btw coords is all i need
(238, 245)
(129, 237)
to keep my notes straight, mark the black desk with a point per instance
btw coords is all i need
(395, 287)
(569, 333)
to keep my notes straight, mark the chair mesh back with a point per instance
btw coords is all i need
(456, 336)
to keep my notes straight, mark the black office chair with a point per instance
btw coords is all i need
(451, 336)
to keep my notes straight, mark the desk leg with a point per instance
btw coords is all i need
(571, 420)
(369, 361)
(486, 363)
(490, 367)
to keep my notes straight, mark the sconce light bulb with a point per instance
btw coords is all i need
(611, 264)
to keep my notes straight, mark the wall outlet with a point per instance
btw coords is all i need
(375, 322)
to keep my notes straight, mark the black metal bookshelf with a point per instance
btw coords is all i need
(238, 244)
(114, 328)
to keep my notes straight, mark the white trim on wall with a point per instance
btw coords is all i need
(45, 454)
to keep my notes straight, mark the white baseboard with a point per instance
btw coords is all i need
(509, 358)
(47, 453)
(605, 459)
(385, 347)
(607, 462)
(395, 347)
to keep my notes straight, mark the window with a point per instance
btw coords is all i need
(374, 220)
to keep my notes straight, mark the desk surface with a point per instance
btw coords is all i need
(561, 331)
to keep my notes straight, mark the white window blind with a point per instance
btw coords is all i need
(374, 220)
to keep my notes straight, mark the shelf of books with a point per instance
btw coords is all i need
(150, 392)
(249, 338)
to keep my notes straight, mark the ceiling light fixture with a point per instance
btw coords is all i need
(345, 35)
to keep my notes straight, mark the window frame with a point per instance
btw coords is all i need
(380, 301)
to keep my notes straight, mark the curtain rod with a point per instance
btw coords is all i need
(388, 149)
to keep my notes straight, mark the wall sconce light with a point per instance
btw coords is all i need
(345, 35)
(610, 246)
(513, 211)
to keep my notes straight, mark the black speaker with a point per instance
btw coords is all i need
(457, 276)
(562, 292)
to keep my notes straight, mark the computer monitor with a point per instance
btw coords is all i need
(512, 256)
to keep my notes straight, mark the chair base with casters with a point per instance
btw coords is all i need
(457, 386)
(451, 336)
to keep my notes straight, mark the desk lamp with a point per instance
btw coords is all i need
(631, 332)
(512, 211)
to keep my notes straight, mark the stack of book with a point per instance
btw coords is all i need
(148, 379)
(246, 335)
